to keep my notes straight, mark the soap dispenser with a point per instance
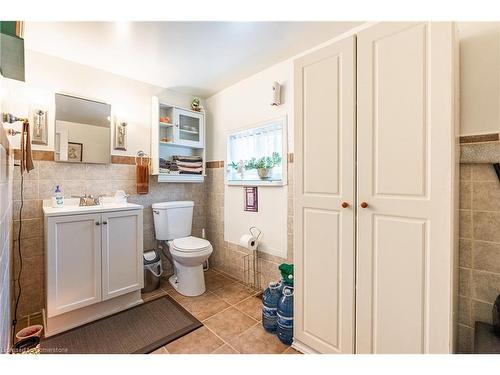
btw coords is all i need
(57, 198)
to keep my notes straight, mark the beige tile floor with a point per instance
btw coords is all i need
(231, 317)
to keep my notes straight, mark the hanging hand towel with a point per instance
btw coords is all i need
(26, 157)
(142, 178)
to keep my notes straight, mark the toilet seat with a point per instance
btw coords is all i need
(190, 244)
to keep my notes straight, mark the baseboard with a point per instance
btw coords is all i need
(303, 348)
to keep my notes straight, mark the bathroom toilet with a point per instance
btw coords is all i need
(173, 223)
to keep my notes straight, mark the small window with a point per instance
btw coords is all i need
(258, 155)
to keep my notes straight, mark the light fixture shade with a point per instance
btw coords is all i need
(12, 57)
(276, 94)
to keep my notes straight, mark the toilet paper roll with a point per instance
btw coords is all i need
(248, 241)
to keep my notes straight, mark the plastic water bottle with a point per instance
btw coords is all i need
(285, 316)
(270, 300)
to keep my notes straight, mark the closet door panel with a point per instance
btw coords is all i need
(321, 114)
(398, 278)
(321, 241)
(324, 178)
(399, 68)
(405, 234)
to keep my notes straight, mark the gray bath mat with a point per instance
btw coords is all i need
(140, 329)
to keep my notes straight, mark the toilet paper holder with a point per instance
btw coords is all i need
(255, 229)
(251, 273)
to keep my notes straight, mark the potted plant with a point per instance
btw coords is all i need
(263, 165)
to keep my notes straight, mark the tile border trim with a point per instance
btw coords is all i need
(220, 163)
(215, 164)
(47, 155)
(491, 137)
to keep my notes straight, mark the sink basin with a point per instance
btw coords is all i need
(71, 207)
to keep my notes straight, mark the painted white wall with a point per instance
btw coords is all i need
(479, 77)
(130, 100)
(243, 104)
(248, 102)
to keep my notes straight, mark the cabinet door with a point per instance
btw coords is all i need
(324, 180)
(405, 175)
(73, 262)
(122, 269)
(189, 128)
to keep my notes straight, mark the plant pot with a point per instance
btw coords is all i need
(31, 331)
(263, 173)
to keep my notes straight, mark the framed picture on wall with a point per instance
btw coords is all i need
(75, 151)
(251, 198)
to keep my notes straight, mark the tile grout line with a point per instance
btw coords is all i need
(224, 341)
(223, 310)
(230, 305)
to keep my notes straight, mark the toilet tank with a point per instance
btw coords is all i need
(173, 219)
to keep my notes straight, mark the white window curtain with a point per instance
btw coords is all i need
(255, 143)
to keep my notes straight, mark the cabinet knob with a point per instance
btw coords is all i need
(104, 222)
(364, 204)
(97, 223)
(344, 204)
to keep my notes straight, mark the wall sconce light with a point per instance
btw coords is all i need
(40, 130)
(120, 135)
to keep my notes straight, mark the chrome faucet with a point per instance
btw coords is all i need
(88, 200)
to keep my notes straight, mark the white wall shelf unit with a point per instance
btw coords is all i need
(176, 131)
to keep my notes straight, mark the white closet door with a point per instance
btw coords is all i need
(324, 179)
(405, 174)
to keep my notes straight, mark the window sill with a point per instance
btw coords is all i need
(255, 183)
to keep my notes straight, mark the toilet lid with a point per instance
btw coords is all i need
(190, 244)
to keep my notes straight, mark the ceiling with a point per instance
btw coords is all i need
(199, 58)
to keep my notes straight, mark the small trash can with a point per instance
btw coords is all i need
(152, 271)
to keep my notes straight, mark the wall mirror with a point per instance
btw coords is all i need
(82, 130)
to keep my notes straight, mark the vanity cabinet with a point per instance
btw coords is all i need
(92, 258)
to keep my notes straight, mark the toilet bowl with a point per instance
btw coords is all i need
(173, 222)
(189, 254)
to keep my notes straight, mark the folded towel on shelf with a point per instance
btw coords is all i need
(173, 166)
(186, 164)
(189, 172)
(185, 170)
(189, 159)
(164, 163)
(182, 165)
